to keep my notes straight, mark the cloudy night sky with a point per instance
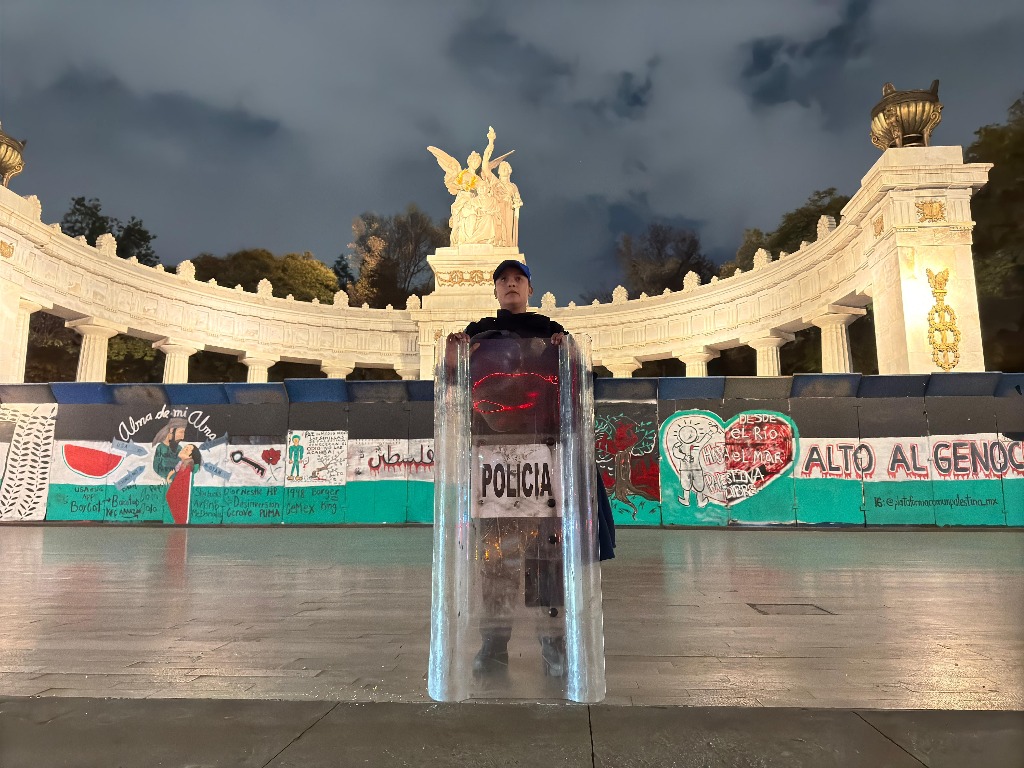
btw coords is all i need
(226, 125)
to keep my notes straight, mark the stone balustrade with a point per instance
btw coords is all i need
(911, 214)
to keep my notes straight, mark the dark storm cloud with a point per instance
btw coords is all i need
(167, 116)
(165, 157)
(253, 123)
(781, 69)
(630, 94)
(496, 59)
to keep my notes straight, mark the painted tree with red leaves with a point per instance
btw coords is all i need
(616, 439)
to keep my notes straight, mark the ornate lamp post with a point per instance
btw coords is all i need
(905, 118)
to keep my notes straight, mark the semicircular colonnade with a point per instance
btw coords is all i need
(909, 222)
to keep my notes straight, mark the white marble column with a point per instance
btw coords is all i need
(835, 340)
(20, 340)
(337, 369)
(768, 354)
(622, 368)
(176, 357)
(696, 361)
(409, 374)
(92, 359)
(259, 368)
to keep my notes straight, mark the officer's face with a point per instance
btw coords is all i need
(513, 290)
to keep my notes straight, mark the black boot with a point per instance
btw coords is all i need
(552, 653)
(492, 658)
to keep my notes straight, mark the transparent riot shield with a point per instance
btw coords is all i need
(516, 603)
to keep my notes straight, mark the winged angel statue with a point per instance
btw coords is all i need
(486, 207)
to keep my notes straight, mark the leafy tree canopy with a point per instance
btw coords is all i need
(390, 255)
(300, 274)
(86, 218)
(795, 227)
(998, 210)
(661, 258)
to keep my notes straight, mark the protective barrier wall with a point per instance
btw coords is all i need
(939, 449)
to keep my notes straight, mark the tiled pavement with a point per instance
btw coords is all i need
(908, 620)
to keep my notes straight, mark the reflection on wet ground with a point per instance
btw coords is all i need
(825, 619)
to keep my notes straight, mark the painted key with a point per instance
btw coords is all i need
(240, 458)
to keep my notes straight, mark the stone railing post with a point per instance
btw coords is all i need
(337, 369)
(696, 360)
(176, 357)
(835, 339)
(92, 359)
(768, 353)
(259, 368)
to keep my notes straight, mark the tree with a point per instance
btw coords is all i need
(86, 218)
(802, 223)
(795, 227)
(998, 210)
(753, 239)
(617, 439)
(390, 255)
(300, 274)
(343, 272)
(660, 258)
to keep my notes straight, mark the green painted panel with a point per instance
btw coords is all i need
(136, 504)
(1013, 498)
(421, 502)
(206, 506)
(895, 502)
(829, 501)
(377, 501)
(642, 512)
(253, 505)
(969, 502)
(314, 505)
(76, 502)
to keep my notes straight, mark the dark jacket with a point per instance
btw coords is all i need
(527, 325)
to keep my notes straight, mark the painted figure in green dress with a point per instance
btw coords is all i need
(295, 454)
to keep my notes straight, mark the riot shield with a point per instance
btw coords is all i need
(516, 601)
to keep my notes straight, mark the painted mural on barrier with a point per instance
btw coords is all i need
(716, 472)
(26, 452)
(391, 481)
(196, 465)
(973, 479)
(315, 466)
(626, 449)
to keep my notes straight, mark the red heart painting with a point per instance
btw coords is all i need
(727, 462)
(758, 448)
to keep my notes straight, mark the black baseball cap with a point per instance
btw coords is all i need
(511, 263)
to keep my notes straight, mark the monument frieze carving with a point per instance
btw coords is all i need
(930, 210)
(456, 277)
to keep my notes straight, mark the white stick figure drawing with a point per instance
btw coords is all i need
(687, 439)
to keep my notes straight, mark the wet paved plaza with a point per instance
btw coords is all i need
(825, 620)
(902, 619)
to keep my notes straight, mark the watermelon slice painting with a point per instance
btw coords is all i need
(90, 461)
